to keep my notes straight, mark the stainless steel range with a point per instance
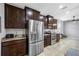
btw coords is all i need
(36, 37)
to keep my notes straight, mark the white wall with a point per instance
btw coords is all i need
(2, 34)
(71, 29)
(60, 26)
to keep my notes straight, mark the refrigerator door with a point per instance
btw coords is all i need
(32, 31)
(40, 32)
(32, 26)
(36, 37)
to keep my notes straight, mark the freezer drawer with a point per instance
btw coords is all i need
(32, 49)
(36, 48)
(39, 47)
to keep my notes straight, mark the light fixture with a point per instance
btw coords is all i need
(61, 6)
(74, 21)
(41, 17)
(50, 18)
(29, 13)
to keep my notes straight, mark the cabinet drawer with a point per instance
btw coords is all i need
(13, 42)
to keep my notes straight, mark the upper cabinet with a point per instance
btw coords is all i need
(18, 18)
(51, 22)
(31, 14)
(43, 19)
(14, 17)
(54, 23)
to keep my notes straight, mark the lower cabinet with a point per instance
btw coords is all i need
(14, 48)
(57, 37)
(47, 40)
(21, 49)
(9, 50)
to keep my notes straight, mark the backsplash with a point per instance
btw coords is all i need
(15, 31)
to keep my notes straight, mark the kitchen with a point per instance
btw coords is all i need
(18, 30)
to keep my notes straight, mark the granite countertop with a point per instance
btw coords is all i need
(10, 39)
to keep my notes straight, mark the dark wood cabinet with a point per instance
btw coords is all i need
(14, 17)
(47, 40)
(51, 22)
(21, 49)
(45, 23)
(14, 48)
(43, 18)
(31, 14)
(9, 16)
(57, 37)
(20, 18)
(36, 15)
(9, 50)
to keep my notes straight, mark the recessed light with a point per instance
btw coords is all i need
(61, 6)
(41, 17)
(50, 18)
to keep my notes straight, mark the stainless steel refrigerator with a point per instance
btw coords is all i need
(36, 37)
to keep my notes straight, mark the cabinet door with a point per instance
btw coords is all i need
(55, 22)
(45, 23)
(47, 40)
(50, 24)
(10, 16)
(14, 17)
(57, 37)
(21, 49)
(36, 15)
(9, 50)
(32, 14)
(20, 18)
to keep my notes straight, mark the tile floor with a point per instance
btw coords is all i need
(60, 48)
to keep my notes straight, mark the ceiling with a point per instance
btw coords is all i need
(60, 11)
